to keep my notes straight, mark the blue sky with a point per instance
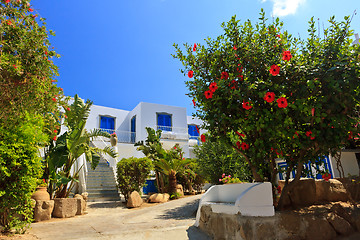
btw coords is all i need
(117, 53)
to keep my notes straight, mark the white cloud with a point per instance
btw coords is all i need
(282, 8)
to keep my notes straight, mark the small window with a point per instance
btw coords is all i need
(193, 131)
(164, 122)
(133, 129)
(107, 124)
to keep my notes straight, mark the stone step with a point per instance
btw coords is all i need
(99, 188)
(103, 199)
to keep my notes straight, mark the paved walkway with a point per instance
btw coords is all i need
(172, 220)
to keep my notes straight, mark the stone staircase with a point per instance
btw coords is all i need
(101, 184)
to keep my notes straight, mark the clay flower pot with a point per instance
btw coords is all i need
(113, 139)
(41, 194)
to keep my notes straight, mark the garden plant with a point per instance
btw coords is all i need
(29, 101)
(271, 95)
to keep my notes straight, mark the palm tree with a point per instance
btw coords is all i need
(71, 145)
(172, 163)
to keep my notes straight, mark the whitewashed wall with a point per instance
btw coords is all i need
(97, 111)
(349, 164)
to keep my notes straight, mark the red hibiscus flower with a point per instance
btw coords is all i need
(190, 74)
(309, 134)
(194, 102)
(203, 138)
(65, 116)
(246, 105)
(274, 70)
(7, 1)
(55, 131)
(282, 102)
(68, 109)
(239, 69)
(54, 99)
(233, 84)
(61, 89)
(269, 97)
(54, 138)
(235, 48)
(278, 189)
(296, 133)
(208, 94)
(286, 56)
(240, 134)
(224, 75)
(53, 81)
(244, 146)
(197, 129)
(313, 111)
(31, 10)
(9, 22)
(194, 48)
(326, 176)
(241, 77)
(213, 86)
(238, 144)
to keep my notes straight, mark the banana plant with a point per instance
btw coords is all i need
(71, 145)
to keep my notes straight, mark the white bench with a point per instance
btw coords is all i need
(248, 199)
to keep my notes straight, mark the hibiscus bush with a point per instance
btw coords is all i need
(269, 94)
(29, 100)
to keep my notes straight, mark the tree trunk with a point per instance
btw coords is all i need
(62, 192)
(288, 186)
(172, 182)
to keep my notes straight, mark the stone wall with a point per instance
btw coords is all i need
(315, 222)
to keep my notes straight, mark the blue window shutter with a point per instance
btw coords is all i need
(160, 120)
(103, 123)
(167, 120)
(192, 131)
(133, 124)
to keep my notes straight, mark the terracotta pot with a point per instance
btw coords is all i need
(41, 194)
(113, 140)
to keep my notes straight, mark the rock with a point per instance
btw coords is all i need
(318, 228)
(134, 200)
(180, 190)
(303, 193)
(78, 196)
(340, 225)
(43, 210)
(85, 196)
(81, 205)
(159, 198)
(65, 207)
(331, 191)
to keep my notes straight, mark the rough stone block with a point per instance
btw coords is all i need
(43, 210)
(81, 206)
(134, 200)
(340, 225)
(180, 190)
(65, 207)
(318, 228)
(159, 198)
(331, 191)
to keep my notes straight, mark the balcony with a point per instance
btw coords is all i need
(173, 133)
(123, 136)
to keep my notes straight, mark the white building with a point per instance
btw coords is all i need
(129, 126)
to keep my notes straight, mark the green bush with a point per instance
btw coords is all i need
(20, 167)
(215, 158)
(132, 173)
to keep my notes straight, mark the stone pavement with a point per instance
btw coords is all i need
(108, 220)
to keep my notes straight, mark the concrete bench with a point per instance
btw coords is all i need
(248, 199)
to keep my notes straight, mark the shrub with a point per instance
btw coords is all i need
(20, 166)
(132, 173)
(215, 158)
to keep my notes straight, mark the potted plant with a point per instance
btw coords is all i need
(113, 139)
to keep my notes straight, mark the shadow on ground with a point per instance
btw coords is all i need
(187, 211)
(106, 205)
